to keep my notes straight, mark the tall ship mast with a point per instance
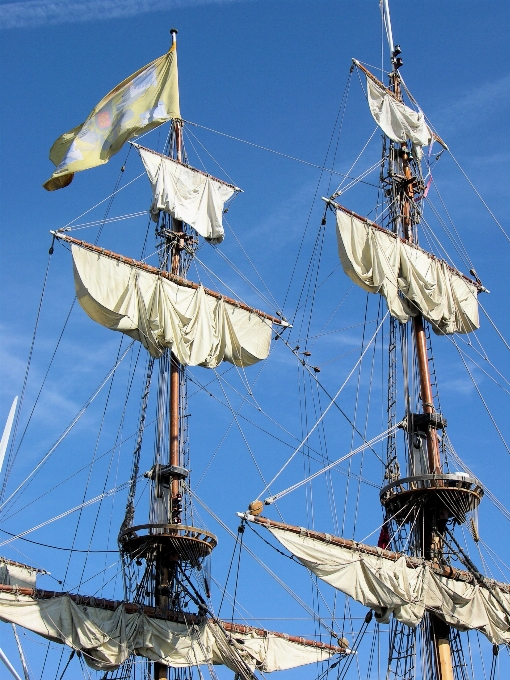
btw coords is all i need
(408, 600)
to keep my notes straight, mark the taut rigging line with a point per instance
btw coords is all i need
(321, 418)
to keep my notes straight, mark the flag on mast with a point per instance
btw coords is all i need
(143, 101)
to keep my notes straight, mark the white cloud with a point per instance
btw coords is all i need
(32, 13)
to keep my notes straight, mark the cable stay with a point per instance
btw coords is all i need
(379, 438)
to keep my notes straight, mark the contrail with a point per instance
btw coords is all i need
(33, 13)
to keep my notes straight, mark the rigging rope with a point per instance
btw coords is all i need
(479, 196)
(289, 590)
(364, 446)
(69, 427)
(12, 455)
(326, 409)
(278, 153)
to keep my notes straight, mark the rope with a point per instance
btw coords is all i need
(289, 590)
(69, 512)
(12, 456)
(494, 326)
(333, 400)
(482, 399)
(96, 223)
(364, 446)
(480, 197)
(69, 427)
(100, 202)
(5, 519)
(278, 153)
(43, 381)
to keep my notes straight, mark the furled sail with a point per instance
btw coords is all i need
(187, 194)
(380, 262)
(17, 574)
(160, 310)
(391, 583)
(395, 119)
(108, 636)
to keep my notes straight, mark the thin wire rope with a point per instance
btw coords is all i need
(289, 590)
(362, 447)
(94, 453)
(342, 470)
(24, 507)
(278, 153)
(343, 105)
(101, 202)
(494, 326)
(119, 431)
(493, 420)
(325, 410)
(252, 265)
(12, 455)
(69, 427)
(479, 196)
(109, 220)
(67, 512)
(355, 415)
(45, 376)
(190, 133)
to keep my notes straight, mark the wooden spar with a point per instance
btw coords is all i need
(374, 225)
(167, 275)
(394, 76)
(178, 161)
(166, 615)
(445, 571)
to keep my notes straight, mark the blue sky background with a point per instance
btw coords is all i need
(272, 72)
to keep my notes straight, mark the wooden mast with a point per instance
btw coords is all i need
(431, 539)
(163, 576)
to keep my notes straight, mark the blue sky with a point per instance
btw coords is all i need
(271, 72)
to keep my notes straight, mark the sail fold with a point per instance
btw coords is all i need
(107, 638)
(187, 194)
(199, 329)
(393, 587)
(411, 280)
(16, 574)
(395, 119)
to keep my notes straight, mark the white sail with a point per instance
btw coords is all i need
(106, 638)
(17, 574)
(393, 587)
(187, 194)
(395, 119)
(380, 262)
(200, 329)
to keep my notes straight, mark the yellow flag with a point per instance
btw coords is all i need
(143, 101)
